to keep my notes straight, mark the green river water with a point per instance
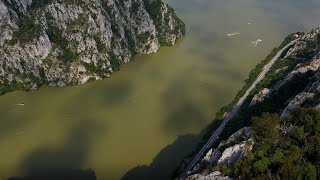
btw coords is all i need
(140, 122)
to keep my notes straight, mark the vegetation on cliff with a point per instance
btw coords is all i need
(295, 73)
(254, 73)
(61, 43)
(287, 149)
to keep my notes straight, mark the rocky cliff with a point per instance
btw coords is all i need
(225, 155)
(293, 82)
(68, 42)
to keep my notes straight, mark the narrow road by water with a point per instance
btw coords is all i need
(232, 114)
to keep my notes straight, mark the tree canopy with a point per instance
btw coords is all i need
(286, 149)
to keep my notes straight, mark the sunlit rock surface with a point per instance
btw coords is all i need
(61, 43)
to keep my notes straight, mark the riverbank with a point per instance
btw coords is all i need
(72, 43)
(229, 112)
(155, 106)
(293, 88)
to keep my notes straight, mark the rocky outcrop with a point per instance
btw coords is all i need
(314, 85)
(306, 53)
(63, 43)
(296, 103)
(300, 69)
(310, 92)
(233, 149)
(302, 60)
(212, 176)
(227, 153)
(234, 153)
(306, 58)
(260, 96)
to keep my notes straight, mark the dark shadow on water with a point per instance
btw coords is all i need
(187, 115)
(195, 29)
(209, 39)
(117, 94)
(65, 161)
(166, 162)
(155, 75)
(8, 123)
(231, 74)
(63, 174)
(182, 113)
(216, 58)
(227, 73)
(192, 51)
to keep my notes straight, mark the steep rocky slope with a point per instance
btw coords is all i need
(68, 42)
(293, 82)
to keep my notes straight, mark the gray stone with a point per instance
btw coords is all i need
(98, 32)
(296, 103)
(212, 176)
(260, 96)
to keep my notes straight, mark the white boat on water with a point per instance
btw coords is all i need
(233, 34)
(20, 104)
(255, 43)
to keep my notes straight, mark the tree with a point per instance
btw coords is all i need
(276, 155)
(265, 127)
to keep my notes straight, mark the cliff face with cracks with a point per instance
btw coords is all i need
(62, 43)
(226, 154)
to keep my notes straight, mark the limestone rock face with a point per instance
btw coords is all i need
(300, 69)
(308, 59)
(260, 96)
(61, 43)
(234, 153)
(295, 103)
(227, 153)
(212, 176)
(310, 92)
(233, 149)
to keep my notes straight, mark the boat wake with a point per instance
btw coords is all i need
(233, 34)
(255, 43)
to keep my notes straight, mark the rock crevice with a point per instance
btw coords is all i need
(62, 43)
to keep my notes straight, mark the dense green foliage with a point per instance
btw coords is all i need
(28, 30)
(114, 61)
(143, 38)
(8, 87)
(68, 55)
(130, 41)
(287, 149)
(39, 3)
(94, 69)
(101, 47)
(56, 37)
(275, 103)
(134, 7)
(154, 9)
